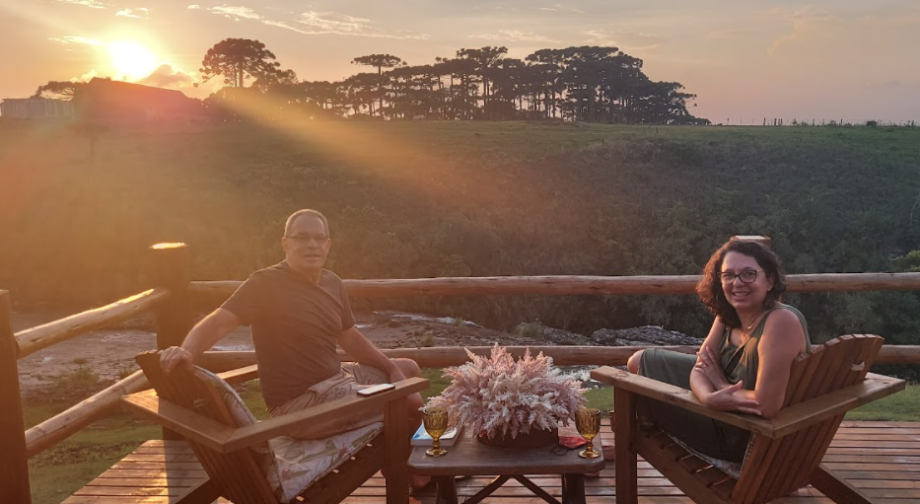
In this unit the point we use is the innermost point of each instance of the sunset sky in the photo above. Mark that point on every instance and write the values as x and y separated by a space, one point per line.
831 59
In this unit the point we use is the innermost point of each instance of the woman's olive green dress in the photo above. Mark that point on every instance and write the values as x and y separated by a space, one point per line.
710 437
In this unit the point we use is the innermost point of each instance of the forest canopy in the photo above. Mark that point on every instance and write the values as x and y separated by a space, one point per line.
588 83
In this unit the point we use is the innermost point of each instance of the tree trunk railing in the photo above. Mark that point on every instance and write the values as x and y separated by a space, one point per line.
43 336
441 357
579 285
172 299
67 423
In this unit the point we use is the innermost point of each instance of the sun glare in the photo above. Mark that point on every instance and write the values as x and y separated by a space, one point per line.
131 59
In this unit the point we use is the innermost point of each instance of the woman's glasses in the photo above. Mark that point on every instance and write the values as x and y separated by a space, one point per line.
746 276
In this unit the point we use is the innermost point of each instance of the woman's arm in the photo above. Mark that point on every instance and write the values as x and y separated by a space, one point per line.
708 382
706 378
782 340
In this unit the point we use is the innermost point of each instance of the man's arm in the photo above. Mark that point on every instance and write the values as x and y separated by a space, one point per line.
363 351
211 329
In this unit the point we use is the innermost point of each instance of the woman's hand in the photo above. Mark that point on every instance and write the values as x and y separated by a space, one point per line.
733 398
708 364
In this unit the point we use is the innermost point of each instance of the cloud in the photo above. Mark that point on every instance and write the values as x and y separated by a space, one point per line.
319 23
93 4
235 12
804 24
139 13
731 33
335 23
514 36
88 76
194 7
169 77
74 39
559 8
625 40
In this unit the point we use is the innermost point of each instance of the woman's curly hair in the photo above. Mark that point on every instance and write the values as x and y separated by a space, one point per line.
709 288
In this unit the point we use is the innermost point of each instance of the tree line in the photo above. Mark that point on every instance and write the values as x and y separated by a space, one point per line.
587 83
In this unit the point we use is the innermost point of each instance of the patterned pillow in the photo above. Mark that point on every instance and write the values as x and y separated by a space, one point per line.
291 465
732 469
298 463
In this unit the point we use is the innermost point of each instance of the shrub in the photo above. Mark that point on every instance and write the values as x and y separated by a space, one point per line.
533 330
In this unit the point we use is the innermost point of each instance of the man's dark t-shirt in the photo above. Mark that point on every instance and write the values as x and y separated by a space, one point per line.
295 325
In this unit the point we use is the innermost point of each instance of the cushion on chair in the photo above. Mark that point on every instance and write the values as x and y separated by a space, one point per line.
732 469
291 465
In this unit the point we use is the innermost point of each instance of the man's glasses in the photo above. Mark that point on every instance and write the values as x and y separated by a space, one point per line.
307 237
746 276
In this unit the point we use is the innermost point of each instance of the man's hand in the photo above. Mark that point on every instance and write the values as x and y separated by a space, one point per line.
732 398
173 357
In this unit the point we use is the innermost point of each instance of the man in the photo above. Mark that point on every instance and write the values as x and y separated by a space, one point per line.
299 312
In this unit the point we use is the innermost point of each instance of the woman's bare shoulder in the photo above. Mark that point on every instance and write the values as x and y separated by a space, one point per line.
783 325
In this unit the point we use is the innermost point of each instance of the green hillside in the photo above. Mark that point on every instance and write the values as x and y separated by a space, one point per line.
419 199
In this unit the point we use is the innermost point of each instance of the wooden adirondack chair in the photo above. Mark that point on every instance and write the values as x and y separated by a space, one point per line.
192 406
785 452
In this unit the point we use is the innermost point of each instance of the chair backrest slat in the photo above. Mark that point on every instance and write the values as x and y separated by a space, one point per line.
774 468
236 475
860 358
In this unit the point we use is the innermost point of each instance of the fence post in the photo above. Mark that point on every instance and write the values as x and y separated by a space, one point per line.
171 269
170 266
14 463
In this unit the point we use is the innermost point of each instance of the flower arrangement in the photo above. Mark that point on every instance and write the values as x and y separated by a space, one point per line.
499 396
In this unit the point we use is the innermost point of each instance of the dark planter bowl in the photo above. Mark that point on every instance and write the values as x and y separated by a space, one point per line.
533 439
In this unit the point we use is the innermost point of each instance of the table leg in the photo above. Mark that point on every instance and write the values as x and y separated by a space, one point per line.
447 490
539 492
487 490
573 489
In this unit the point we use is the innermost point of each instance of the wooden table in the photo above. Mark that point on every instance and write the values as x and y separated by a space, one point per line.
468 457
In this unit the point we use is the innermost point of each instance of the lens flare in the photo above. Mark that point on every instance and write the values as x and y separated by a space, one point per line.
132 60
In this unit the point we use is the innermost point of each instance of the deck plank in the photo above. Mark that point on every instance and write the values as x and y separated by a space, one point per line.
880 458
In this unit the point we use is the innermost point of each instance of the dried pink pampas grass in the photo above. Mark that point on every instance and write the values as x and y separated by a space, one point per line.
501 396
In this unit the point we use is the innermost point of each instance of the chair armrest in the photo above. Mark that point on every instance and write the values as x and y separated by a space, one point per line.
279 426
680 397
812 411
241 375
190 424
224 439
787 421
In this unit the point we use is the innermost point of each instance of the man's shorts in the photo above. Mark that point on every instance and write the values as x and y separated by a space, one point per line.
346 383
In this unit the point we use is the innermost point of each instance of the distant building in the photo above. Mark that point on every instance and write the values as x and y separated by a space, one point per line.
36 108
104 101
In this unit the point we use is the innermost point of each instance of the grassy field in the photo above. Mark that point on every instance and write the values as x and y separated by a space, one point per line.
422 199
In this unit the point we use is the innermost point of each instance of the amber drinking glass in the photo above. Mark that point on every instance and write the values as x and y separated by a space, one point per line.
435 420
588 422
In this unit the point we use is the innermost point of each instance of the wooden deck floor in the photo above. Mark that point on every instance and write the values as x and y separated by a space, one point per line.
882 458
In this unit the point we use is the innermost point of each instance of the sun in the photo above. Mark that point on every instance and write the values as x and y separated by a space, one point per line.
132 60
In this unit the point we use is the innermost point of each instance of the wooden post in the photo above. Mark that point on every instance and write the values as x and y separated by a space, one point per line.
170 267
14 464
764 240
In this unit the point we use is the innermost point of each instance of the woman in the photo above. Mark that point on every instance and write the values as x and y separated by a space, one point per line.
745 361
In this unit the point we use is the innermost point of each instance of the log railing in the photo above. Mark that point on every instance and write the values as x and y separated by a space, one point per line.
171 301
36 338
571 285
441 357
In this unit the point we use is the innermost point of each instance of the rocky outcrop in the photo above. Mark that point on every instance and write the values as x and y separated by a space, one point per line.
561 337
642 336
